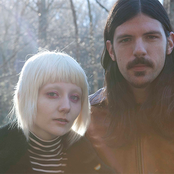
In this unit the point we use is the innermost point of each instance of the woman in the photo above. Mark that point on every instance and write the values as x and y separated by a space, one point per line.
52 109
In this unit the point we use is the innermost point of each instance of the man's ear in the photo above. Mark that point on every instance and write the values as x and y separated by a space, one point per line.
170 43
110 49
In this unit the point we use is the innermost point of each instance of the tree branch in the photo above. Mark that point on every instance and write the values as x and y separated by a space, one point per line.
49 5
102 6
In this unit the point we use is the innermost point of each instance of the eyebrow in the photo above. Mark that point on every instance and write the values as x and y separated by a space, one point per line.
123 36
153 32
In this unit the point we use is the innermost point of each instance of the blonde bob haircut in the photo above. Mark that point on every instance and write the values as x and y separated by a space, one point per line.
40 69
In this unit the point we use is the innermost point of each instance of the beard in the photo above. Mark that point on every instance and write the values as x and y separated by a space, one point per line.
136 84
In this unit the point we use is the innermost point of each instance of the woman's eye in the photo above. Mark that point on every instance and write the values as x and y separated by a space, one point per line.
74 98
52 94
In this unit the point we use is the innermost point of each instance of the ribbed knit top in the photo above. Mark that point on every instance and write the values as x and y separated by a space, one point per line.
46 156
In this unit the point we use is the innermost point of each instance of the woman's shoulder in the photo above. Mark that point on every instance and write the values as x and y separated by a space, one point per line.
12 145
80 147
83 159
10 132
6 132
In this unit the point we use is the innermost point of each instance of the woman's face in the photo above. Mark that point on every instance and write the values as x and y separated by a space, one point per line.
58 106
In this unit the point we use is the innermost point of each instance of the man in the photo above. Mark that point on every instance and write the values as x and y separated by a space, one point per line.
132 126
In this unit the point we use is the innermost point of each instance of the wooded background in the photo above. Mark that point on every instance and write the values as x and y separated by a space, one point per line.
72 26
27 26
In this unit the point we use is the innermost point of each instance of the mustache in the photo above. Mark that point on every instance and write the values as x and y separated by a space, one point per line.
140 60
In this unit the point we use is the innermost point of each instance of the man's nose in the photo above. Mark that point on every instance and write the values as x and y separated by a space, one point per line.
64 105
139 48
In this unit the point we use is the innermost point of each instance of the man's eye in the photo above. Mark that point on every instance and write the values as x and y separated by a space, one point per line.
52 94
152 37
125 40
74 98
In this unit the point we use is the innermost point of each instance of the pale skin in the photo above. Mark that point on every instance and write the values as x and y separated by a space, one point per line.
58 105
142 38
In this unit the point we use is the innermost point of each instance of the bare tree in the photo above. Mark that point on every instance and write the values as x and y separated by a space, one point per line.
43 23
92 48
11 38
42 7
76 30
11 34
26 25
169 6
102 6
166 4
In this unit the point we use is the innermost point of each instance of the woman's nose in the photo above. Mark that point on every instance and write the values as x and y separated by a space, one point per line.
64 105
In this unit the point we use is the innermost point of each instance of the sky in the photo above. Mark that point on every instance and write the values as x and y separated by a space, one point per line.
161 1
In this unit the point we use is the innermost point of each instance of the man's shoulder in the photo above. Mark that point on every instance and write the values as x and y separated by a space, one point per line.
98 97
99 108
99 115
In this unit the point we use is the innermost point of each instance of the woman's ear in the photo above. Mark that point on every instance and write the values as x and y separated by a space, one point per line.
170 43
110 50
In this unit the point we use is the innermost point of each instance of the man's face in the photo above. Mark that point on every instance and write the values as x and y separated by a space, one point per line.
139 48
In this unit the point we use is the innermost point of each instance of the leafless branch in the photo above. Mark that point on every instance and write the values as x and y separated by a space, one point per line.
32 8
102 6
13 55
49 4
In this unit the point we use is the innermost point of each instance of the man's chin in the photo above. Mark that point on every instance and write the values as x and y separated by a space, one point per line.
140 85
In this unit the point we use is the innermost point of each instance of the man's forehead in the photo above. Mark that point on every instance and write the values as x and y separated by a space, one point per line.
141 23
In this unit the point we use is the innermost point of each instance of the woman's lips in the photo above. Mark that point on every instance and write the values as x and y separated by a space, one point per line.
61 121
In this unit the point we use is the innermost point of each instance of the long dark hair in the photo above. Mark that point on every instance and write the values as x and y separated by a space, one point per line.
127 118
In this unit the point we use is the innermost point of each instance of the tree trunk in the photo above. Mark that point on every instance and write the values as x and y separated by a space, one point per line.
42 28
169 6
76 30
92 49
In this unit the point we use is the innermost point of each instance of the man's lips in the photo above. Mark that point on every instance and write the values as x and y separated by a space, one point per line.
139 67
62 121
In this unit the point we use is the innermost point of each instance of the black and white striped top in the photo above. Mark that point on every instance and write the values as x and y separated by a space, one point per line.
46 156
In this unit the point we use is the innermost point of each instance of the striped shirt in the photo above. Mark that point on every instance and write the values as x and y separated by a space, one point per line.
46 156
